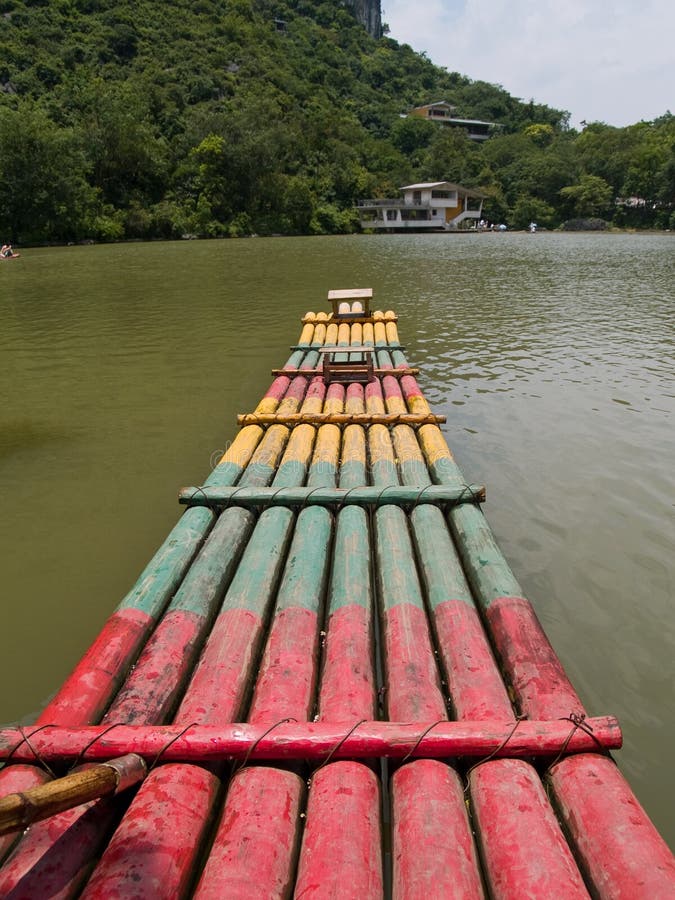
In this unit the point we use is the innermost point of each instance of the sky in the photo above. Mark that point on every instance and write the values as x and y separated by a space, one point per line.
607 61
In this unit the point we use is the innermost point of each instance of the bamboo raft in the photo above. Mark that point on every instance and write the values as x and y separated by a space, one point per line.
326 683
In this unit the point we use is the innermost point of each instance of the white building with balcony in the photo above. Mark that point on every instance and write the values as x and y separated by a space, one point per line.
443 113
428 206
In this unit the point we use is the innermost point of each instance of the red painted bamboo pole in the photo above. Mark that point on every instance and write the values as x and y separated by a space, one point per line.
511 807
433 854
314 740
341 850
159 677
348 691
257 837
413 682
414 693
596 804
614 867
102 659
463 649
334 852
125 869
143 840
263 805
287 675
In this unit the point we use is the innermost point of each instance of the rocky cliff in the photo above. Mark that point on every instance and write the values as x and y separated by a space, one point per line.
369 14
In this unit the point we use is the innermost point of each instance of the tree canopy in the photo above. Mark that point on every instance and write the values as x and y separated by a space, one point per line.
229 117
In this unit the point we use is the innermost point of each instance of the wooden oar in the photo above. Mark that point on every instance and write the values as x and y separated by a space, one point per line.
18 811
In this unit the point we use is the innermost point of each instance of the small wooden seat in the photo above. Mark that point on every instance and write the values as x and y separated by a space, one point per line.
356 364
351 304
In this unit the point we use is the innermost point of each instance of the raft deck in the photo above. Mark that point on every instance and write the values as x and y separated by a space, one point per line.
333 680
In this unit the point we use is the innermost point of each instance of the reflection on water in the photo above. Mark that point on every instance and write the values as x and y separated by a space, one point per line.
122 369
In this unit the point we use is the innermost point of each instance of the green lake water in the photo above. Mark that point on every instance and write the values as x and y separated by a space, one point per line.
122 369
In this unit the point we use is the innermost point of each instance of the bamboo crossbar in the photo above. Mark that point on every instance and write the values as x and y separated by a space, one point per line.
366 349
397 373
340 419
349 319
399 495
349 348
313 741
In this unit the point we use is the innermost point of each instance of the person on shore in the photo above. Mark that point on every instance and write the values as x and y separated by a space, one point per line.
7 252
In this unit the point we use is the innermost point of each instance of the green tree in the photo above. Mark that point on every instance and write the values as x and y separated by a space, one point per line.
530 209
590 197
129 160
201 117
44 194
539 134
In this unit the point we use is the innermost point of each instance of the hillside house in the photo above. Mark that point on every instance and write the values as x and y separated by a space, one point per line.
428 206
443 113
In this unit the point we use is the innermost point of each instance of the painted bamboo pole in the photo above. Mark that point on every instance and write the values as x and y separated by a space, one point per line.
344 331
430 860
412 494
339 419
348 677
523 848
81 833
315 741
335 853
490 698
85 830
474 683
284 687
543 690
216 693
287 677
341 852
128 868
619 849
413 684
96 678
152 690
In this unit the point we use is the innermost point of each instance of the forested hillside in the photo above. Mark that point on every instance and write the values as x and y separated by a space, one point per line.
230 117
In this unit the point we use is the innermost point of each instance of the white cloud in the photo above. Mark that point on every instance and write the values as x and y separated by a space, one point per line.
612 62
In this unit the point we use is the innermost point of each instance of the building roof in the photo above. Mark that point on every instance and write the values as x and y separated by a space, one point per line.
426 185
435 103
471 121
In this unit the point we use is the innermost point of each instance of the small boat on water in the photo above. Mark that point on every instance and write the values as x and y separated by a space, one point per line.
327 682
